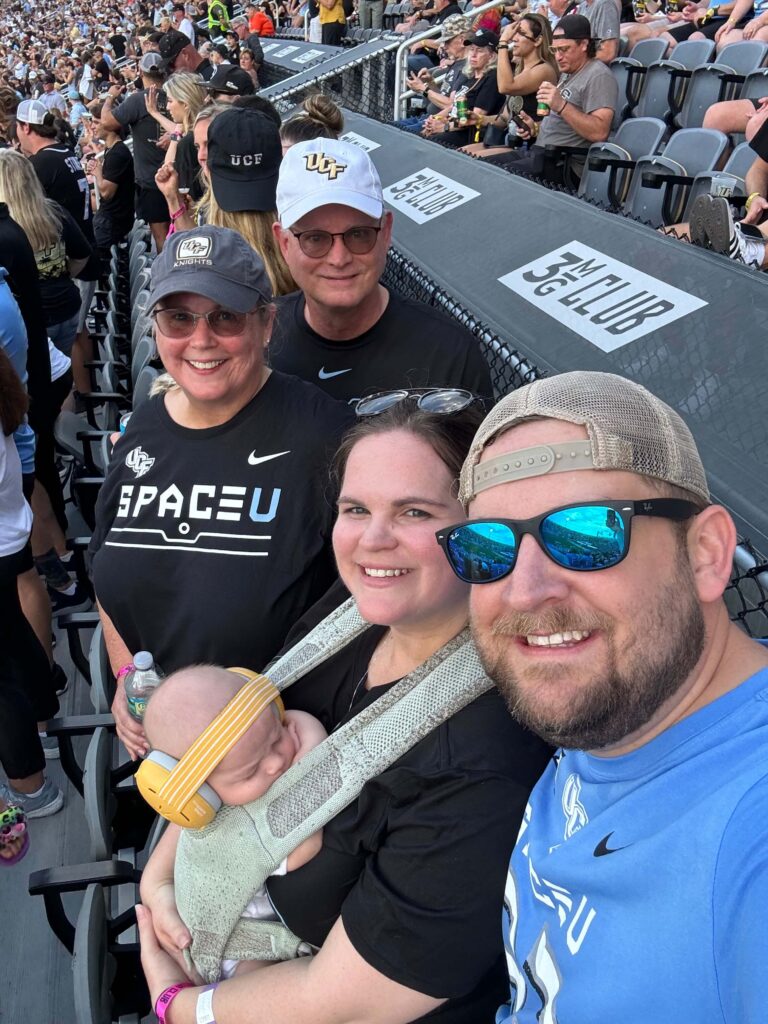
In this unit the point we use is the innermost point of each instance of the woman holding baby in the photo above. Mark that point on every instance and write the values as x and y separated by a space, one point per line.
402 900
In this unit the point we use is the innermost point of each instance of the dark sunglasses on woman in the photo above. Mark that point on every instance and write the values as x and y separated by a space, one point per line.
584 537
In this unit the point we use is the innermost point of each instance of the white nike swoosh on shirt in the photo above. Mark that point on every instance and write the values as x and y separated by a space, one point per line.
326 374
255 460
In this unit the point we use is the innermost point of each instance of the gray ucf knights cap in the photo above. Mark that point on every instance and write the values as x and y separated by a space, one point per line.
215 262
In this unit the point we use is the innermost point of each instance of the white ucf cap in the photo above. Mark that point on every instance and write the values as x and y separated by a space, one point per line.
323 172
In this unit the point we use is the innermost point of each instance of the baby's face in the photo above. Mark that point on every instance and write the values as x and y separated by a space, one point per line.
263 754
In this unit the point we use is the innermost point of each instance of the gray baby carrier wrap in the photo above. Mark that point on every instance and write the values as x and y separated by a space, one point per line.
219 868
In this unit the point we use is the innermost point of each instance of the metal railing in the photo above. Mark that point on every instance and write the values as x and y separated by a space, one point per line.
401 60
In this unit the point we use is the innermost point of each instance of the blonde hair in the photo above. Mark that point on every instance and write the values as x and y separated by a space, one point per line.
254 225
256 228
187 87
22 192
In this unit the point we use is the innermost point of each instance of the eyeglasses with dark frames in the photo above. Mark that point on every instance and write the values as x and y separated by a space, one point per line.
358 240
583 537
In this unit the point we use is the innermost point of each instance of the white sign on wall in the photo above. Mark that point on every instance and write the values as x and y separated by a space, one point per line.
360 141
425 194
605 301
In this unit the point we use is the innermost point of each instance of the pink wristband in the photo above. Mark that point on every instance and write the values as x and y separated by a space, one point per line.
124 671
165 999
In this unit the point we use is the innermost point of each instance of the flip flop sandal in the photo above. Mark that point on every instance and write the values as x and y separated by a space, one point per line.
13 826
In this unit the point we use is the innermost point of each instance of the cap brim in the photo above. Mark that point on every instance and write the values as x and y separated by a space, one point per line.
210 285
359 201
236 195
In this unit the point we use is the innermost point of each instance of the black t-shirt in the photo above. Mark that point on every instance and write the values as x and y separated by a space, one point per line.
101 72
416 865
209 544
453 79
118 168
483 93
117 42
447 12
17 257
188 167
205 69
145 130
60 295
411 345
63 179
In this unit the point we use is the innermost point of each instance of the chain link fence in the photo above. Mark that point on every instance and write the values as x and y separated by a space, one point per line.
509 369
364 82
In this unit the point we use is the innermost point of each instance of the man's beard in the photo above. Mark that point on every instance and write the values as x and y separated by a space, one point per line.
667 641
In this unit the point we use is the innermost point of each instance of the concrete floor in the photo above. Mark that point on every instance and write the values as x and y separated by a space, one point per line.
35 969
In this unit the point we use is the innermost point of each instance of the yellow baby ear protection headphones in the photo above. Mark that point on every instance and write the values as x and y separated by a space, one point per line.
176 789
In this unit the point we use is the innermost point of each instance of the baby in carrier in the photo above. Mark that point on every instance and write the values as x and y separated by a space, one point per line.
185 705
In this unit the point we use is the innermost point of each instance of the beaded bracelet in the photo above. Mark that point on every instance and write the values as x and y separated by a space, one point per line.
124 671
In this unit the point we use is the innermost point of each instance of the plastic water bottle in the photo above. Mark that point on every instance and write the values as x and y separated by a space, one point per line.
139 684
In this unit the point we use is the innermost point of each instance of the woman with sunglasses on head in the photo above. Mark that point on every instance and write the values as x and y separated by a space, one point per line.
524 61
481 95
402 899
213 525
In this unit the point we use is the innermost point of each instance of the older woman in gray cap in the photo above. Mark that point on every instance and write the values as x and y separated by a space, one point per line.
214 514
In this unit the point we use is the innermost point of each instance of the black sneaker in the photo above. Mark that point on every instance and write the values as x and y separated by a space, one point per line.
699 220
59 679
76 602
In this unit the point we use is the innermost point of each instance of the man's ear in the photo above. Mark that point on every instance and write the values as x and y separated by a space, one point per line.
711 542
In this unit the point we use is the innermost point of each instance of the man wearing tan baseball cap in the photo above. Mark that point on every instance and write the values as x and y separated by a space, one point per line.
638 886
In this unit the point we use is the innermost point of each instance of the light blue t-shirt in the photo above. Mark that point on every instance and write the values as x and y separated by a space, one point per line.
638 889
13 339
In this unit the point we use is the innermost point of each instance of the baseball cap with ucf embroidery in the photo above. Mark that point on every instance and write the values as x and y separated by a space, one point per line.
323 172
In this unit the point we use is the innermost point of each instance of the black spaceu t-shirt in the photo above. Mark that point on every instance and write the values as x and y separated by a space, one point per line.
416 866
209 544
410 346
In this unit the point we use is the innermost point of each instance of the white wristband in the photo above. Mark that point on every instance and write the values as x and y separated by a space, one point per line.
204 1009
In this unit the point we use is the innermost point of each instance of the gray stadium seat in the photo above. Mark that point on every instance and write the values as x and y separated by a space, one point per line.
143 351
648 51
665 81
711 83
688 153
144 380
745 56
739 162
606 181
755 85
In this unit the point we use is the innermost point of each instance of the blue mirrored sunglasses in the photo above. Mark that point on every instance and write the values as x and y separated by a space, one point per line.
584 537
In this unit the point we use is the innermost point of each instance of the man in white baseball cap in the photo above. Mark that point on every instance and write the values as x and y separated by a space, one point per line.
344 330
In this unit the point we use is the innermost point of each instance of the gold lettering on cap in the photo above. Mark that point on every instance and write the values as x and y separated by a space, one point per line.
322 164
